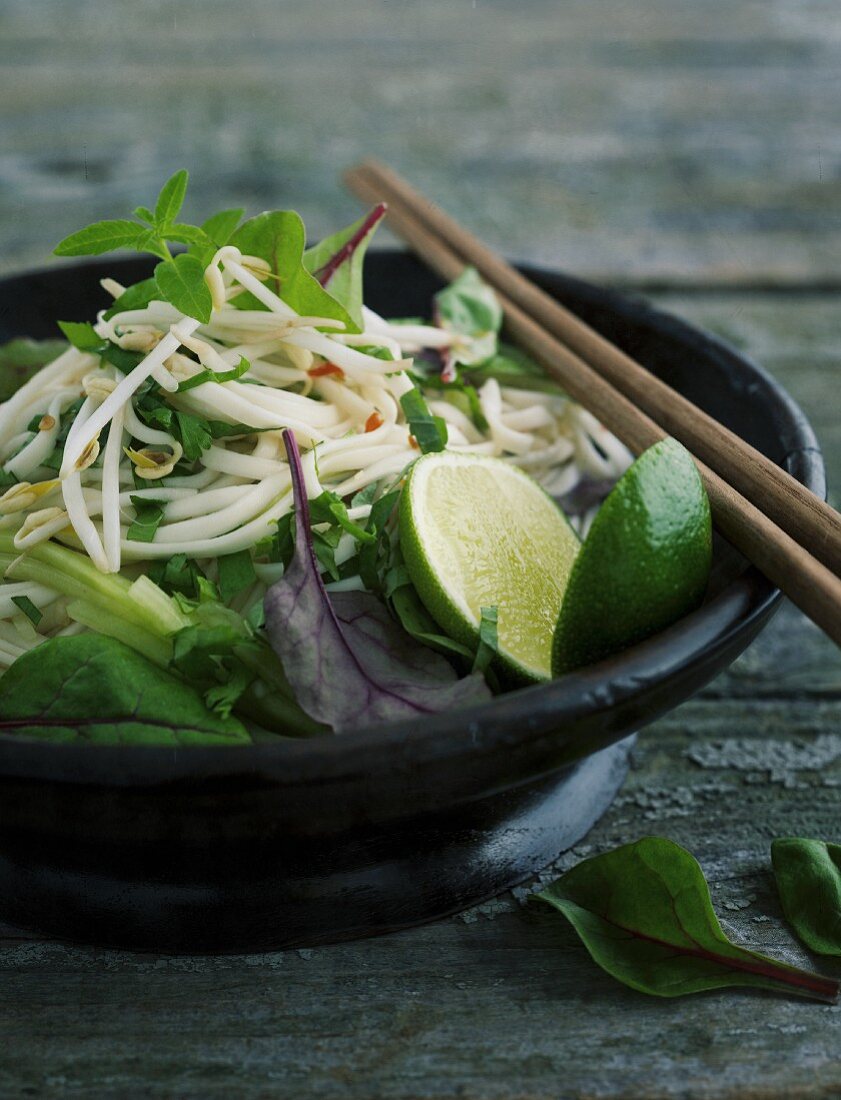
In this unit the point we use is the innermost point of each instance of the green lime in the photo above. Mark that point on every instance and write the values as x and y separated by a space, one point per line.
644 563
477 532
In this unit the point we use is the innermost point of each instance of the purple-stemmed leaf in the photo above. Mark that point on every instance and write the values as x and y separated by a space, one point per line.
348 663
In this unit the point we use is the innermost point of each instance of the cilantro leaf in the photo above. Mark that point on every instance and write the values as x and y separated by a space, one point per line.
236 573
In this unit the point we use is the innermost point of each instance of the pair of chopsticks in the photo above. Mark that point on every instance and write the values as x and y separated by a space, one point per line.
790 534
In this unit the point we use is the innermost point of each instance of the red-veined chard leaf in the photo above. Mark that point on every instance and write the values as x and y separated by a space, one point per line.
808 874
348 662
336 262
92 688
644 913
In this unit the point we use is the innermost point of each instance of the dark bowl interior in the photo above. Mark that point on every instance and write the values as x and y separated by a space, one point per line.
304 842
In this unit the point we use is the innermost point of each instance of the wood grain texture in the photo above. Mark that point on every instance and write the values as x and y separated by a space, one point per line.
692 145
665 139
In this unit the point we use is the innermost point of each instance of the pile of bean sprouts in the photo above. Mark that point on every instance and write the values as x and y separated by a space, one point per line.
305 374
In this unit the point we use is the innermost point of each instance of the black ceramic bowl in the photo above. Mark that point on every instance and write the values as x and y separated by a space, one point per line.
291 844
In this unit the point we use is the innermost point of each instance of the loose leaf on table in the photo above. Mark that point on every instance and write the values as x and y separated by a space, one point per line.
808 874
645 915
336 262
181 282
92 688
349 664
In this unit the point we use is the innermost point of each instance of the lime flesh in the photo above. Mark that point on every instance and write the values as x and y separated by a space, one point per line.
477 532
645 561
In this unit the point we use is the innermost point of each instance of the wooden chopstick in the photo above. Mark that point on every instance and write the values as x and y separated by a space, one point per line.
808 519
804 579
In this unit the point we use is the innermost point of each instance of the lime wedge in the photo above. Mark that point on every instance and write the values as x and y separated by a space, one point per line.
477 532
644 563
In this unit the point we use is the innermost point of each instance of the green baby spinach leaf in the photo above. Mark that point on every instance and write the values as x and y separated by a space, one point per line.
221 226
181 282
337 261
808 874
644 913
92 688
279 238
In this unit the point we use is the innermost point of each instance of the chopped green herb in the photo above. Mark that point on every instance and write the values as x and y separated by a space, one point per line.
34 614
148 519
236 573
430 431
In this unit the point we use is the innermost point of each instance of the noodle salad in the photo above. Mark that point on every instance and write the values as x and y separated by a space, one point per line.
148 472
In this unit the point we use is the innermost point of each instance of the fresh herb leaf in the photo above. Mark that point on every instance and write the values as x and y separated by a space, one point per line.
236 573
488 646
374 555
348 663
197 650
470 308
178 575
134 297
278 237
515 369
336 262
644 913
93 688
366 495
148 519
144 213
181 282
223 697
430 431
194 434
808 874
171 199
121 358
329 508
208 375
81 335
7 480
33 613
101 237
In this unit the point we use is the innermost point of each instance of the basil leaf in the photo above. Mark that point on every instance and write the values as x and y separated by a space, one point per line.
808 874
348 662
21 358
644 913
81 335
469 305
33 613
278 237
171 198
336 262
101 237
134 297
215 376
148 519
430 431
92 688
181 283
236 573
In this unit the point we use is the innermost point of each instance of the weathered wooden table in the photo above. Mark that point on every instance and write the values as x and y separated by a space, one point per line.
686 149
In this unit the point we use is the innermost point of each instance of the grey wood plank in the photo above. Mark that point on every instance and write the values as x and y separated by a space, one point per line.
664 139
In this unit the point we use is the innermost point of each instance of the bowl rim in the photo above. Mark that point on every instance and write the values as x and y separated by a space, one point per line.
742 605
